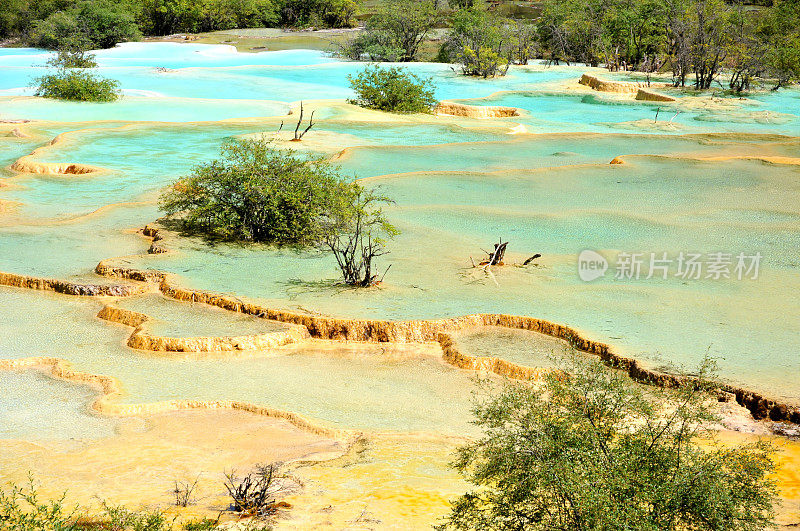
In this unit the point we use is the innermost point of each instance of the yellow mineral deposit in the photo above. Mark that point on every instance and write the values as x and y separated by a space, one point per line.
138 467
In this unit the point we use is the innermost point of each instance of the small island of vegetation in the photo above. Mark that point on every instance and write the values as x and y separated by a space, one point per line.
392 89
256 193
73 79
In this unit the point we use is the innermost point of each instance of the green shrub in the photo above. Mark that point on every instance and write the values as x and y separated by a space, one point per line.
395 33
55 31
14 17
480 42
164 17
67 58
326 13
589 449
21 510
392 89
76 85
87 24
72 80
203 524
120 518
256 193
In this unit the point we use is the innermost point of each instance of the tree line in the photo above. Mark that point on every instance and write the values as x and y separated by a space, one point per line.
103 23
694 40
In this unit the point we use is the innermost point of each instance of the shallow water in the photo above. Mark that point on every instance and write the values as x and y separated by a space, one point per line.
720 175
366 387
170 318
649 205
523 347
594 112
35 407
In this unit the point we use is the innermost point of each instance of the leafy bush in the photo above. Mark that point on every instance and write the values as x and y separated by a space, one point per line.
77 85
88 24
325 13
73 81
67 58
54 31
392 89
395 33
588 449
256 193
203 524
54 24
479 41
13 17
165 17
22 510
119 518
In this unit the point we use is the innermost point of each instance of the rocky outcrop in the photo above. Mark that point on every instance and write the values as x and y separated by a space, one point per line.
602 85
127 273
617 160
155 237
622 87
649 95
475 111
70 288
141 340
27 165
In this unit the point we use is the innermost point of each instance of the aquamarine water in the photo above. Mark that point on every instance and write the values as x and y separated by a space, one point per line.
718 178
371 387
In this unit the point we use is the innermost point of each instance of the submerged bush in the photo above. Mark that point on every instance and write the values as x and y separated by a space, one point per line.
259 194
77 85
392 89
72 79
256 193
73 58
480 42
